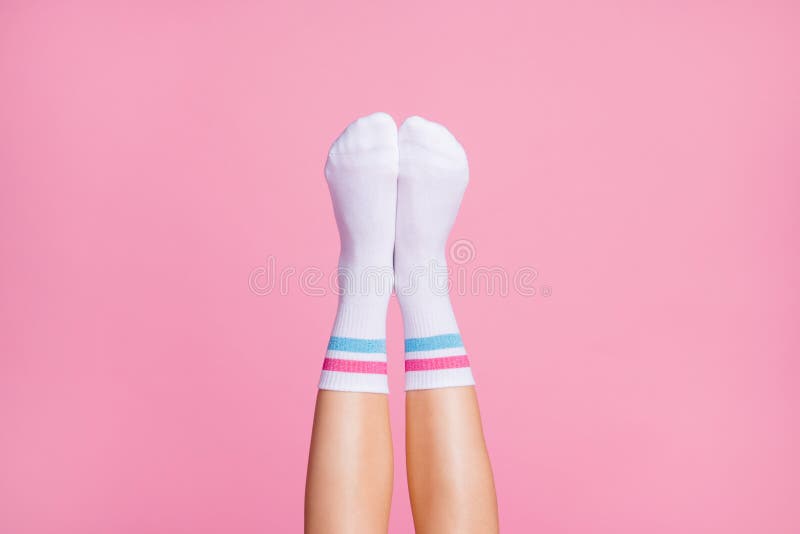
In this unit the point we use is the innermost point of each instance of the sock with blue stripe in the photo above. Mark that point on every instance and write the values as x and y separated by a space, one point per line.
362 171
433 174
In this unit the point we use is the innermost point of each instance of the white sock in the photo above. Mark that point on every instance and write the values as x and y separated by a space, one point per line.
362 171
432 178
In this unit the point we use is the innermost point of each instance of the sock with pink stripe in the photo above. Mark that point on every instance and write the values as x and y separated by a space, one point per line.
433 174
362 171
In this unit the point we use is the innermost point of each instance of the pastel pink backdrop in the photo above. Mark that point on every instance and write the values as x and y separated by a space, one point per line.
643 158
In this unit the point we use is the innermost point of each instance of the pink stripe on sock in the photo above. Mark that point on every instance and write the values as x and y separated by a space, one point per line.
432 364
354 366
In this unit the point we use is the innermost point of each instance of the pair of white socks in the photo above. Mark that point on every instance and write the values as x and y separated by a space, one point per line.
395 194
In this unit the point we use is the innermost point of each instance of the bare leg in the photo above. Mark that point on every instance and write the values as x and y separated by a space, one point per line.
349 482
449 475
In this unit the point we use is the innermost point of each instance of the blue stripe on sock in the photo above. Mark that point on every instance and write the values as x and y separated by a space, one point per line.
445 341
352 344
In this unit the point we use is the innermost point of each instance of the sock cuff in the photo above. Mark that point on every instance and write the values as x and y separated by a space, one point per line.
436 362
355 364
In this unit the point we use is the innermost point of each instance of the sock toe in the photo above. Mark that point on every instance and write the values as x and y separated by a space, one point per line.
371 132
432 136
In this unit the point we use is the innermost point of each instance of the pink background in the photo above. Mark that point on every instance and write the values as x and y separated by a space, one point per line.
643 158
